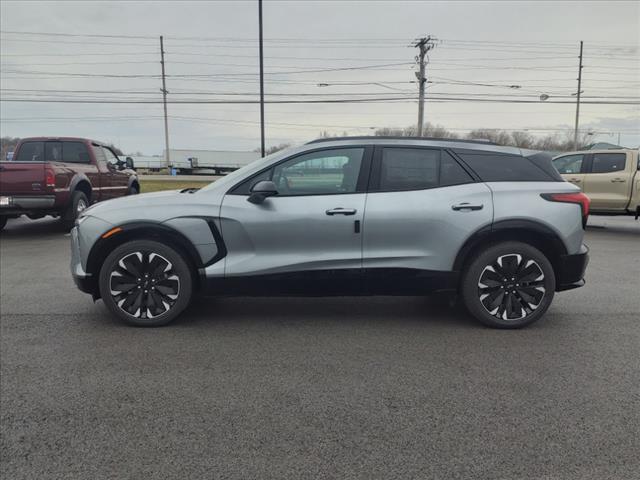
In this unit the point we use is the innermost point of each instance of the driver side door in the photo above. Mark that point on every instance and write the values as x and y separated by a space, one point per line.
309 234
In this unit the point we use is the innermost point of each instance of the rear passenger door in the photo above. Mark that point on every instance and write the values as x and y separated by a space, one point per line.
421 206
607 182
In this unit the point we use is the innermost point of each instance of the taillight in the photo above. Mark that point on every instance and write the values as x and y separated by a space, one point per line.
49 178
578 198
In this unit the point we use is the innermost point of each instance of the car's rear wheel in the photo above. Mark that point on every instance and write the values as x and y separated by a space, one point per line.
510 285
3 223
78 204
146 283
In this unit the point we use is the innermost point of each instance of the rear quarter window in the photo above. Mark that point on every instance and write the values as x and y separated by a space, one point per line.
497 167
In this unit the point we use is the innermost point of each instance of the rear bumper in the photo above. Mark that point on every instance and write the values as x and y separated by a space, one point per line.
83 280
21 204
570 273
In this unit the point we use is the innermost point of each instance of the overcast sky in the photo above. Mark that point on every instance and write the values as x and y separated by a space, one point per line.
485 51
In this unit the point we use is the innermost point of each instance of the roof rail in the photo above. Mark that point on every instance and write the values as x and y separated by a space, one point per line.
399 137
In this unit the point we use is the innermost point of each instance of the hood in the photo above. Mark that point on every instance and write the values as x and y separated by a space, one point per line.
155 206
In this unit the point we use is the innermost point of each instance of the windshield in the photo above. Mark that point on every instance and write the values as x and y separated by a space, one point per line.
249 168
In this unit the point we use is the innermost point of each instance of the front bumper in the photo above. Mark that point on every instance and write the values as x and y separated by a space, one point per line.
83 280
571 268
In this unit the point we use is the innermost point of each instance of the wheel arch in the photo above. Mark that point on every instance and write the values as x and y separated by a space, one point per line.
530 232
81 182
153 231
133 182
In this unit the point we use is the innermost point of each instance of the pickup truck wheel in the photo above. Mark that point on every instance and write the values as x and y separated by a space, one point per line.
145 283
3 222
78 203
510 285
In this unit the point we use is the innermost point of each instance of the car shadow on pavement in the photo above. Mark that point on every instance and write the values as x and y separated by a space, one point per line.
310 310
24 227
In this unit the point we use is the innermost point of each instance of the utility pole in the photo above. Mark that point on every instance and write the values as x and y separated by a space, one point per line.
424 44
575 133
164 102
262 149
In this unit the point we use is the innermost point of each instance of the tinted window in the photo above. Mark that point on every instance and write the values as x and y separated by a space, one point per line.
494 167
608 162
409 169
53 151
451 173
319 173
30 152
74 152
569 164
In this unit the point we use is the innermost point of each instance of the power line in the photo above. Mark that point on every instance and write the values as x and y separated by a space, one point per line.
344 100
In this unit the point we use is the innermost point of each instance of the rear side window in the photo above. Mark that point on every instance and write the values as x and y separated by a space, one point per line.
496 167
569 164
608 162
409 169
30 152
74 152
451 173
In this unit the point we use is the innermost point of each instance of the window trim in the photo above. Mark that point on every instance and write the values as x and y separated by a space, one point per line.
361 184
376 168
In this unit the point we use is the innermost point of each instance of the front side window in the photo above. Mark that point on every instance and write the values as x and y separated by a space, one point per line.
319 173
569 164
74 152
608 162
111 158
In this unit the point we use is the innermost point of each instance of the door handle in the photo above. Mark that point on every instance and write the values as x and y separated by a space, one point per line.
467 206
618 180
575 180
341 211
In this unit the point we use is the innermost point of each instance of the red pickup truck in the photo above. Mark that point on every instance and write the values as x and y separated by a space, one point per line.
61 177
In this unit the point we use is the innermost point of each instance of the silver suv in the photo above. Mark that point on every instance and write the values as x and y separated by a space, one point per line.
352 216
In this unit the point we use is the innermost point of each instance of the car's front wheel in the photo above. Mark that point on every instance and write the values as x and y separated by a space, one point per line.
146 283
509 285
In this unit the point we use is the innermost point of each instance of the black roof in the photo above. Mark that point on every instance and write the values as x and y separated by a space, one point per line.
399 137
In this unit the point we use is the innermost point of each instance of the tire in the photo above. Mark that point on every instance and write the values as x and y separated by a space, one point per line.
133 190
530 288
165 298
79 202
3 223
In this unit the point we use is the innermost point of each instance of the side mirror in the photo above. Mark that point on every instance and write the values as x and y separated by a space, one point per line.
261 190
129 163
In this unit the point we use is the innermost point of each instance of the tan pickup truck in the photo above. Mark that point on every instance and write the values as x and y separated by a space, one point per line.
610 178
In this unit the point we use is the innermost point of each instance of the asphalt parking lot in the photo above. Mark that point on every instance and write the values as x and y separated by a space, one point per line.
317 388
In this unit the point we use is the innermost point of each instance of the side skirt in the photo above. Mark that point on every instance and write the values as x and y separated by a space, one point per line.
343 282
